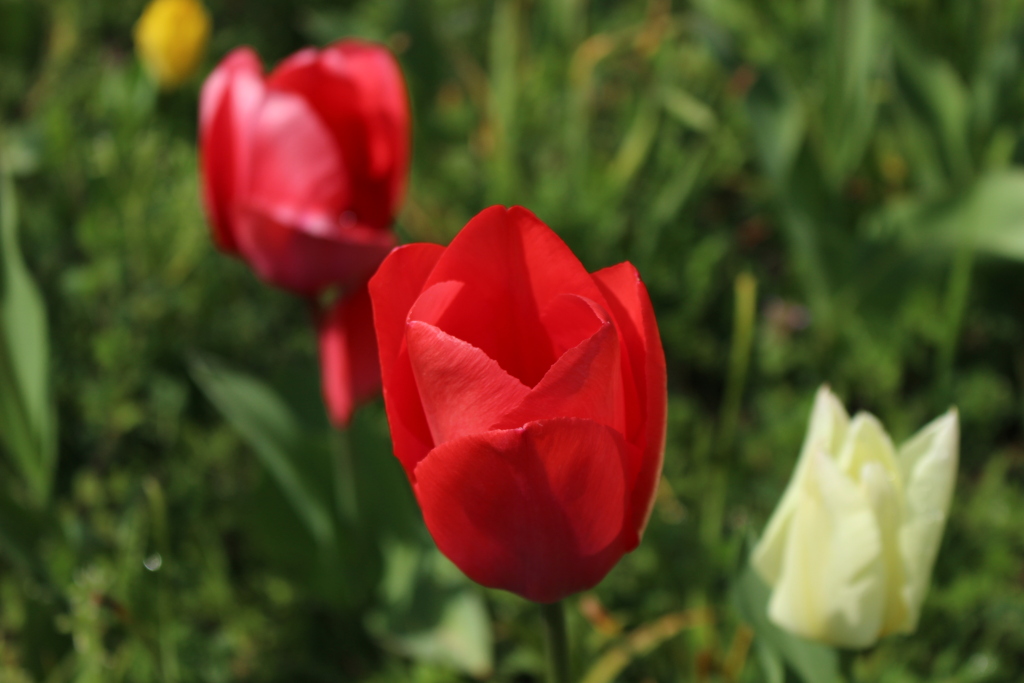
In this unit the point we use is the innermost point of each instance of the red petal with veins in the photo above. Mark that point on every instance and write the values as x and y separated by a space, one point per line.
462 390
630 305
537 510
393 291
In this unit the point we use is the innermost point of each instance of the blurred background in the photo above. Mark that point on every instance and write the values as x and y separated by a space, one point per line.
813 190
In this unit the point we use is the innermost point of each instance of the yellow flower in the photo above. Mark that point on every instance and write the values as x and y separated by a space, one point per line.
170 39
850 548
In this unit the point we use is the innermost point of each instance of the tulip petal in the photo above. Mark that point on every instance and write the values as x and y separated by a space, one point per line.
621 286
828 426
537 510
349 366
832 584
928 462
868 457
571 319
228 107
462 390
434 302
866 442
886 501
306 263
515 267
297 176
643 368
585 382
358 92
393 291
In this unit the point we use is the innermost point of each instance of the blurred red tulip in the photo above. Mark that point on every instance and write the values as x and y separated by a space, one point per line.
303 172
526 400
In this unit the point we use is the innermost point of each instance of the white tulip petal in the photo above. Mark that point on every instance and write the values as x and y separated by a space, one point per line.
928 462
829 423
886 502
832 583
867 442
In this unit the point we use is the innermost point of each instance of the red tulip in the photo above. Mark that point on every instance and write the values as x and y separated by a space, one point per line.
303 170
302 174
526 400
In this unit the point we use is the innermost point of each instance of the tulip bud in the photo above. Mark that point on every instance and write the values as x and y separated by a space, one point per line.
850 548
170 39
526 399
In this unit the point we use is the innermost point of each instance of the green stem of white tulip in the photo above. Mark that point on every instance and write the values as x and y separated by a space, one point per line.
557 638
847 661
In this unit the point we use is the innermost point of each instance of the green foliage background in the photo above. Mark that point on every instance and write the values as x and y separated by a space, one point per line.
857 159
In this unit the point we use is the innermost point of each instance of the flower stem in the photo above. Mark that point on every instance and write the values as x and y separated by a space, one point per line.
557 642
847 664
345 495
744 321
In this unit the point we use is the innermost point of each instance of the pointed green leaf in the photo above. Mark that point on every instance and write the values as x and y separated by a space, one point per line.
688 110
264 422
635 145
779 125
851 100
27 408
431 612
938 92
989 217
813 662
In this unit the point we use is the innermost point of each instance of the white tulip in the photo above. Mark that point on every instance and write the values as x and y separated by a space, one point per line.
850 548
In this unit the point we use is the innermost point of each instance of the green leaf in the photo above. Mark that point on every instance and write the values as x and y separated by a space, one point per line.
635 145
27 411
779 125
936 89
813 662
688 110
20 152
431 612
989 217
269 427
850 101
771 663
